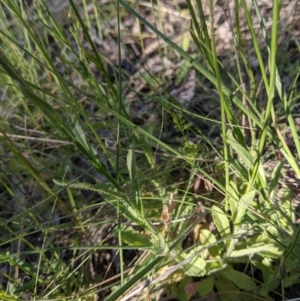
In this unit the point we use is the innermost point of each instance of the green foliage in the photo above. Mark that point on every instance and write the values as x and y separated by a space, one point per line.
206 207
206 286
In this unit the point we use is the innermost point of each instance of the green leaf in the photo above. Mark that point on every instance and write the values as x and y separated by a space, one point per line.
196 267
5 296
264 268
291 280
4 79
243 204
258 240
233 193
87 149
79 134
273 188
206 286
213 267
269 250
221 221
25 287
127 208
247 158
182 293
103 189
134 238
226 289
207 239
241 151
186 42
159 245
269 287
134 177
129 162
240 279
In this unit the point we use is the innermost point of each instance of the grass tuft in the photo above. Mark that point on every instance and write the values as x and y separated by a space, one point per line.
141 149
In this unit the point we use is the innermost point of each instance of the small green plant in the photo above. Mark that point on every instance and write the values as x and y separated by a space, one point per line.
83 177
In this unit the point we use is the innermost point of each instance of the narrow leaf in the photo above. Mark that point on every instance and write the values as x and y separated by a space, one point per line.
134 238
274 180
129 162
221 221
242 207
263 249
